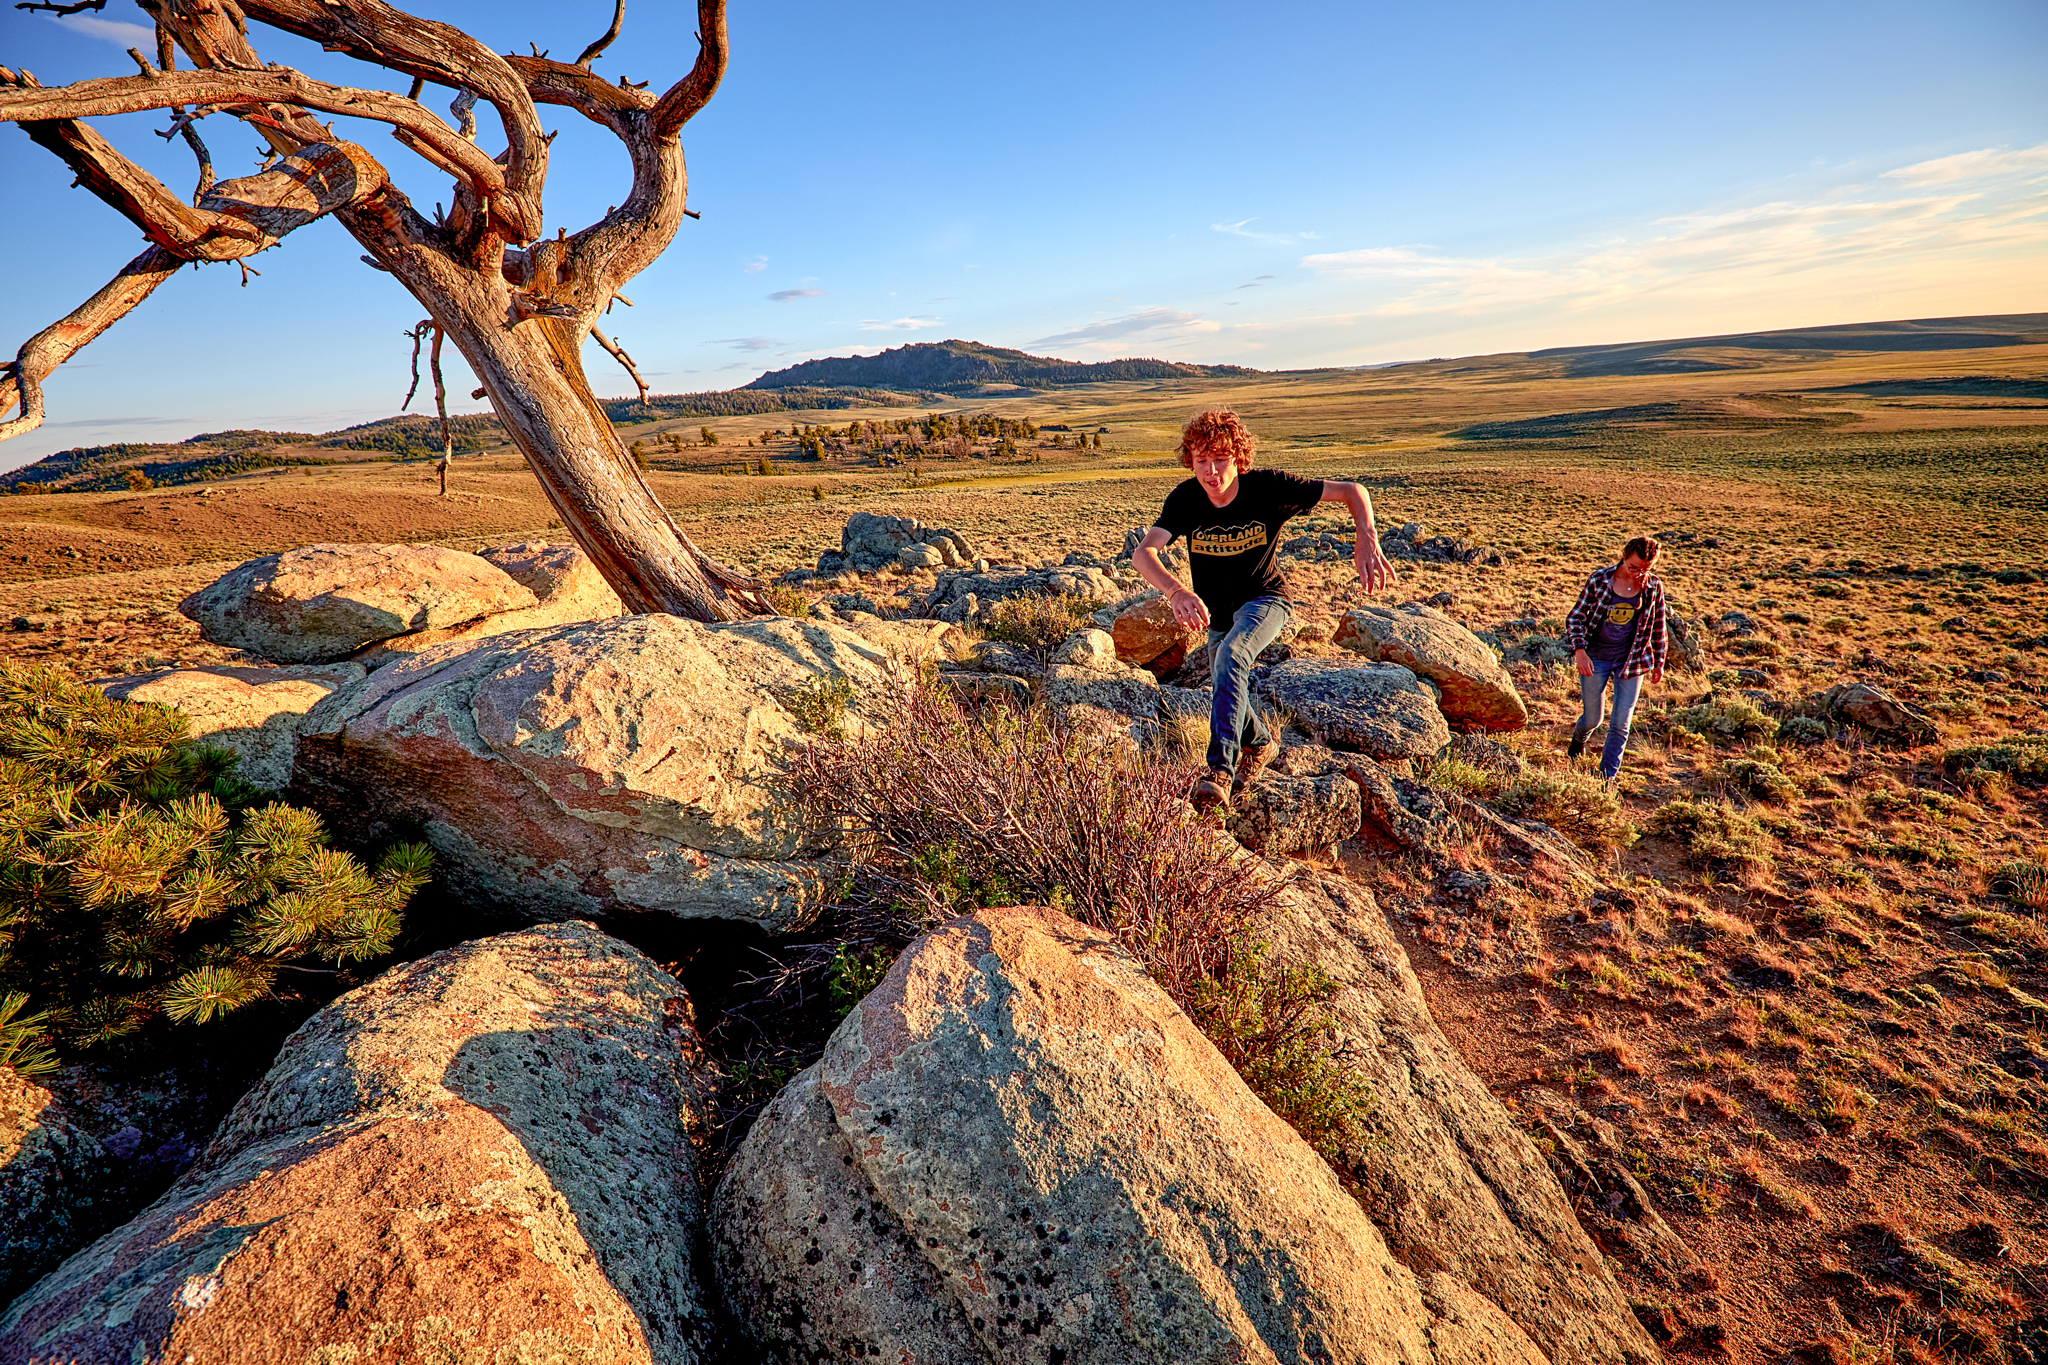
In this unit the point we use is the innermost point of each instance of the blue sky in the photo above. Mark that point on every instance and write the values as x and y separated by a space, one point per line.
1303 184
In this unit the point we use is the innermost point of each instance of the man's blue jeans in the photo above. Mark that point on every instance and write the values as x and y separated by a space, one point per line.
1234 724
1626 690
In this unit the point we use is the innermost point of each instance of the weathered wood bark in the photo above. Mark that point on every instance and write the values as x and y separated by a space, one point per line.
518 309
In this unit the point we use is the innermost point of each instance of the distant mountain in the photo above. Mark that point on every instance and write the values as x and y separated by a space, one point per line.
1918 334
955 365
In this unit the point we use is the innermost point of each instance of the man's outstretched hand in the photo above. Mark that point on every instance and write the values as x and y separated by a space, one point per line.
1375 573
1188 609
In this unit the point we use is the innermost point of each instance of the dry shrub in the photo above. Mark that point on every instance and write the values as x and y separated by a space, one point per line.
1037 622
1726 720
946 808
1583 808
1715 832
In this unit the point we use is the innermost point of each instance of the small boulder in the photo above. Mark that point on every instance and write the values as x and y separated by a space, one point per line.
1018 1148
253 712
1878 711
322 603
482 1155
1382 710
559 574
1476 690
1148 635
871 541
1090 648
920 556
623 766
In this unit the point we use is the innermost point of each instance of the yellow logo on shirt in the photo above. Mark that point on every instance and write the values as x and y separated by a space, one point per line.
1620 614
1228 540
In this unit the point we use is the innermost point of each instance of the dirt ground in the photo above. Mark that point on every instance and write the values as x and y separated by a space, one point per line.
1822 1044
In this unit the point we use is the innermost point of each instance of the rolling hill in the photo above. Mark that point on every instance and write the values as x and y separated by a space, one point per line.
956 365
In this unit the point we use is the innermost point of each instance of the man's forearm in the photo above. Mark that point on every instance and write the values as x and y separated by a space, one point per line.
1146 561
1360 503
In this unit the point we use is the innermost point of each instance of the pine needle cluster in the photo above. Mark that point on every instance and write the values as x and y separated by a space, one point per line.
141 884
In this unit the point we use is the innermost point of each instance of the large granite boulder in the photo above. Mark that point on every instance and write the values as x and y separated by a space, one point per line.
483 1155
626 766
253 712
1475 691
52 1170
1283 814
565 583
1017 1148
1446 1175
322 603
1127 691
1382 710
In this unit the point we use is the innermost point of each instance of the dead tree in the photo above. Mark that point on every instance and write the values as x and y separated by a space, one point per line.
516 302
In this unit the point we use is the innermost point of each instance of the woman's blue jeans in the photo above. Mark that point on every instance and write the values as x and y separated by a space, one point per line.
1626 690
1234 723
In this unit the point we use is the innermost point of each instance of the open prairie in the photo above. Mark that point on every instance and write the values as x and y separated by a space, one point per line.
1816 1025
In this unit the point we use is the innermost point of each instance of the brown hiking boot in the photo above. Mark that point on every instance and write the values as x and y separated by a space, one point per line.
1251 761
1212 792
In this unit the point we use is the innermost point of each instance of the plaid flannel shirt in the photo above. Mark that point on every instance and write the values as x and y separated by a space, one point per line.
1646 651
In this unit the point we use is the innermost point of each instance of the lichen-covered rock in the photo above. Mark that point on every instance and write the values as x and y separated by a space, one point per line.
1018 1149
871 541
1089 648
322 603
1443 1171
1130 691
253 712
52 1174
614 767
1381 710
482 1155
1280 814
1475 690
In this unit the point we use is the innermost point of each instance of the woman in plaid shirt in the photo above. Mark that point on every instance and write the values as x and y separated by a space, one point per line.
1616 631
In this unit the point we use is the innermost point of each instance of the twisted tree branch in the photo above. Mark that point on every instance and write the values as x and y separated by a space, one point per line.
22 381
694 91
610 35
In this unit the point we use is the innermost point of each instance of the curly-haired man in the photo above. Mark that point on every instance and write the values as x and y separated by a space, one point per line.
1231 515
1616 631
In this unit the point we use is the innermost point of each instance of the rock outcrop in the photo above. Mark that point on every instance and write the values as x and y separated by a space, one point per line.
321 603
1018 1149
1414 541
1475 691
614 767
962 595
1381 710
52 1174
482 1155
871 541
1444 1173
253 712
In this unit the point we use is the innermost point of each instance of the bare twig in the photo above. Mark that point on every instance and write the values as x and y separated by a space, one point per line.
61 10
464 109
591 53
441 406
619 354
418 334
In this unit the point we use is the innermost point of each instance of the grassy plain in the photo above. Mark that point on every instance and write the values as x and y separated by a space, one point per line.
1818 1030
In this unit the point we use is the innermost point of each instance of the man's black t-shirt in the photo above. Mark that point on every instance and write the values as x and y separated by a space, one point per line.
1231 548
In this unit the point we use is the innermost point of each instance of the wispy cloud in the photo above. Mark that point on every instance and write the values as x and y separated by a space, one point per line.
1153 324
1243 228
108 30
1257 281
1749 250
785 295
755 265
923 320
1991 161
746 343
